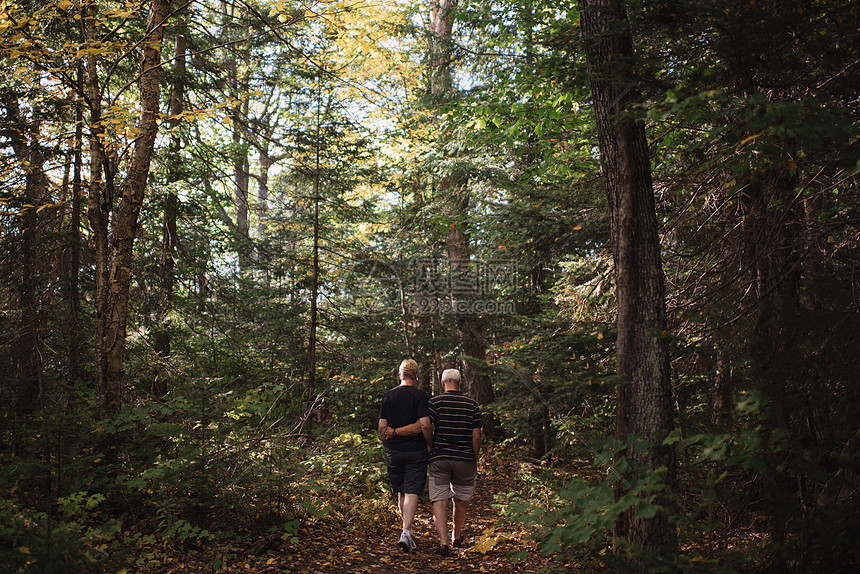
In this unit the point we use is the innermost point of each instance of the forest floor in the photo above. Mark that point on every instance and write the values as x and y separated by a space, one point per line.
333 547
489 542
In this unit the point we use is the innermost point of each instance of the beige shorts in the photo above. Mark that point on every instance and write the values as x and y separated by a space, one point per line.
452 478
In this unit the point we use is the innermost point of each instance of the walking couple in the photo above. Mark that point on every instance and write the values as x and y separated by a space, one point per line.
444 432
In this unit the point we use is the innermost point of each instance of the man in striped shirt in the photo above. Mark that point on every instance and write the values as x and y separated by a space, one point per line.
456 443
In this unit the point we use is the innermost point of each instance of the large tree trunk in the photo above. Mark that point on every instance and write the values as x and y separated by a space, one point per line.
441 26
470 328
469 325
131 198
644 395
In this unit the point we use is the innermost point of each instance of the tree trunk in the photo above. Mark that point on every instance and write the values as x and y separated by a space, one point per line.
169 237
73 293
470 328
643 407
539 425
98 203
24 138
27 354
266 162
723 388
469 325
315 273
773 236
241 170
240 197
441 26
126 225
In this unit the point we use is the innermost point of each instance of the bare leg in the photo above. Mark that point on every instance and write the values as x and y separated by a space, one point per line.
440 518
459 517
408 507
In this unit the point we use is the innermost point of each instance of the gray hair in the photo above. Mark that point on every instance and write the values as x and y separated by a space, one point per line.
451 376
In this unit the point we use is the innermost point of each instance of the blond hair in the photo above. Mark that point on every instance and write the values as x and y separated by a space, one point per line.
408 369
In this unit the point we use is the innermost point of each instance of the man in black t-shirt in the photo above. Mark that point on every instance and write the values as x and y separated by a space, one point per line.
406 456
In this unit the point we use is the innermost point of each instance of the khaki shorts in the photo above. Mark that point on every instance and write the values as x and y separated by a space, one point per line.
452 478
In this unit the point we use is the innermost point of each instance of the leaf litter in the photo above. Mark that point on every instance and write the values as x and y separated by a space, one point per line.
334 546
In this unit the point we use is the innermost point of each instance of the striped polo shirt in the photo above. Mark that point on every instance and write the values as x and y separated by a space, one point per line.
453 415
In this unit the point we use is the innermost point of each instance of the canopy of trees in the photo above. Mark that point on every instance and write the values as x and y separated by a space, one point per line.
633 226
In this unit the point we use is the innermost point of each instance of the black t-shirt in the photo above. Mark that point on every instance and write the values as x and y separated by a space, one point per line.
401 406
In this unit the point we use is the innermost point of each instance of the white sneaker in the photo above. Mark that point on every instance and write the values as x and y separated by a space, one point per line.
406 543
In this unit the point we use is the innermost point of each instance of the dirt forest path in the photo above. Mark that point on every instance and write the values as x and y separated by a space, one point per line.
489 542
347 546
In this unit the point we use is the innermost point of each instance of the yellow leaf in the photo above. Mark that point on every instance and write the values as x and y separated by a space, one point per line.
270 561
23 550
487 541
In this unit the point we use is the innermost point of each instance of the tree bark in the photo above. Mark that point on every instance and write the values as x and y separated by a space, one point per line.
315 274
262 210
773 238
441 26
73 293
469 325
131 198
643 407
241 174
24 138
241 169
470 328
99 203
169 237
